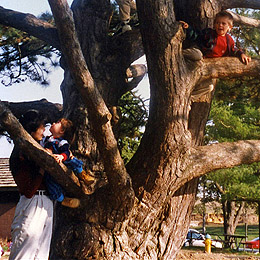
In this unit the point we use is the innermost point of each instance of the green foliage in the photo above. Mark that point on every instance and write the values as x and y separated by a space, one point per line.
239 183
248 38
23 56
128 146
233 121
238 119
237 90
133 119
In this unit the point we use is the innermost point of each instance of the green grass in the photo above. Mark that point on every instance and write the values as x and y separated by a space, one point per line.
218 230
252 231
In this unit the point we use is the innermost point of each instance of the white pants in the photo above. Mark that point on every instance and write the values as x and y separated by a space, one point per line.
32 228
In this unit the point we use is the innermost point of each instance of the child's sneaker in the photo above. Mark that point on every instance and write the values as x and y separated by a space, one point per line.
70 202
123 27
86 177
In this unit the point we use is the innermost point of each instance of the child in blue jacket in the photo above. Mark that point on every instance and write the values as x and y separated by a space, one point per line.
57 145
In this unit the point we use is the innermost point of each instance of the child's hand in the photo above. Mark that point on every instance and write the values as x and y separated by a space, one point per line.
58 157
245 59
184 24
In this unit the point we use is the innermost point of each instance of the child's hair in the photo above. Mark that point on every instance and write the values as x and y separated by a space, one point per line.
32 120
67 127
227 15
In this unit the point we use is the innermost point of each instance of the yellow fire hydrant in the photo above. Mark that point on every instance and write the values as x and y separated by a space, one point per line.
208 244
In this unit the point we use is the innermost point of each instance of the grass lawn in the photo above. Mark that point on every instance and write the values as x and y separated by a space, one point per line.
218 230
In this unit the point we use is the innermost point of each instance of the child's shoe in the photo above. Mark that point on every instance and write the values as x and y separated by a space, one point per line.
70 202
86 177
123 27
126 27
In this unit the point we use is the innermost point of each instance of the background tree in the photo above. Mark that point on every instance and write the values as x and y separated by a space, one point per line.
141 210
234 195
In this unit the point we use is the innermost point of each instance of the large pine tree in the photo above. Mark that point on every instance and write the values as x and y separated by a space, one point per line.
140 210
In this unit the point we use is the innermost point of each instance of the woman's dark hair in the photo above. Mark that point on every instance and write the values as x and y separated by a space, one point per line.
32 120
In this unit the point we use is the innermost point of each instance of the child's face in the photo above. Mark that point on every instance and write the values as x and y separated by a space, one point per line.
56 129
38 134
222 25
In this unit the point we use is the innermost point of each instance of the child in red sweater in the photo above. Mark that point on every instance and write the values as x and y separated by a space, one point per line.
212 43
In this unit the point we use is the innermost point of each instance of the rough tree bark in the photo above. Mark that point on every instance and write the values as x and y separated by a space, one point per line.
142 211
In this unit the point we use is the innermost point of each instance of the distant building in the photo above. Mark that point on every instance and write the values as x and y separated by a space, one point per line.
9 197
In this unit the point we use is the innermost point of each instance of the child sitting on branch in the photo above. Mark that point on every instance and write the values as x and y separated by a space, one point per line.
211 43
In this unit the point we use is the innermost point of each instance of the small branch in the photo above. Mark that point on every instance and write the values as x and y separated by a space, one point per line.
137 73
30 24
20 61
134 83
141 100
220 189
136 70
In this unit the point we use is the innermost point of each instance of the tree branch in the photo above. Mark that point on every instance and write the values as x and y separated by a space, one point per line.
54 111
253 4
98 112
21 138
223 155
239 19
220 189
134 83
137 72
228 67
30 24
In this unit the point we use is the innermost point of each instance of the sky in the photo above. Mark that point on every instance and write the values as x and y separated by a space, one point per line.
29 91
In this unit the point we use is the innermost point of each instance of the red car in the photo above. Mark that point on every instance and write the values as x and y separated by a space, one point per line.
253 243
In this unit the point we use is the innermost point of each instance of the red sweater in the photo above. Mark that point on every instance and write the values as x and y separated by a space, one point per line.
220 48
26 174
211 44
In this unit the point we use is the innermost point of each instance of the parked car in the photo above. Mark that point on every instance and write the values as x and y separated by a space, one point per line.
253 243
195 238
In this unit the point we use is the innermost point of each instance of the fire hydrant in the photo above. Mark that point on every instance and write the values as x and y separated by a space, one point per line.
208 244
